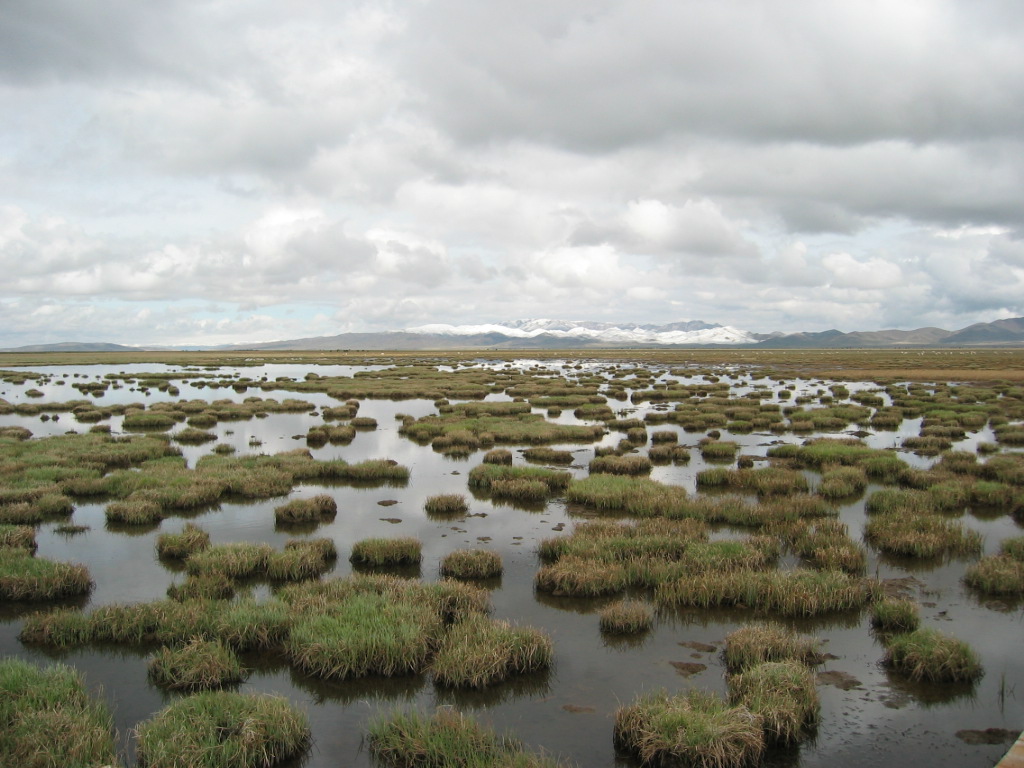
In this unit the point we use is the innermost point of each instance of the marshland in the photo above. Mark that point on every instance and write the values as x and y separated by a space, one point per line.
527 556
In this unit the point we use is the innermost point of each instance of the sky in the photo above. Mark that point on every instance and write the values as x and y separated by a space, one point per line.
232 171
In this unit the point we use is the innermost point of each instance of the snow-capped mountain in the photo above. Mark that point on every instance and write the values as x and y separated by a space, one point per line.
688 332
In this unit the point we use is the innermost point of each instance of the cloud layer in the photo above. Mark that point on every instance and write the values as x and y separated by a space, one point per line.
182 172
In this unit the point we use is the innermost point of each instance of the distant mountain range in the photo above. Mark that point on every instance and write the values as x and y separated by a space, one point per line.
562 334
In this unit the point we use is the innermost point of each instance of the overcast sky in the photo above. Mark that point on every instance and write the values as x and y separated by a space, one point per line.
248 170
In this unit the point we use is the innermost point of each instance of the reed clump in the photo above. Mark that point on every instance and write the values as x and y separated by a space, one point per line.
695 728
471 564
49 720
179 546
626 617
718 450
843 482
446 505
302 559
782 694
377 552
223 729
478 651
928 654
198 665
485 476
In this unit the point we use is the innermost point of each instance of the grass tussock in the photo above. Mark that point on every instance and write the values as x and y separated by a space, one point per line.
444 740
928 654
996 575
626 617
18 537
134 511
479 651
378 552
631 464
920 535
318 509
237 560
366 634
548 456
179 546
27 578
782 694
471 564
486 476
498 456
446 505
695 728
222 729
198 665
49 721
785 593
756 644
302 559
895 615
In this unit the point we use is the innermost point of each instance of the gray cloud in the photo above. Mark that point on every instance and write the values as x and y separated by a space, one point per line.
326 167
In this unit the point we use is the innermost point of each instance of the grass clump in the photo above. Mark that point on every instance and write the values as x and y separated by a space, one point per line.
485 476
179 546
996 575
447 739
203 586
895 614
695 728
581 577
920 535
718 450
471 564
446 505
222 729
498 456
237 560
840 482
478 651
626 617
24 577
632 464
759 643
196 666
798 592
928 654
377 552
318 509
134 511
548 456
783 694
302 559
49 721
18 537
363 635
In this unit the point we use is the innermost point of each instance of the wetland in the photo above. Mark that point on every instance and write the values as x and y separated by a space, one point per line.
535 555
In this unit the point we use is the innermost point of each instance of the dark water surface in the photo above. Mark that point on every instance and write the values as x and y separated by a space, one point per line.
879 720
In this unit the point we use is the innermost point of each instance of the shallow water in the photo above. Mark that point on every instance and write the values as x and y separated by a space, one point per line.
880 721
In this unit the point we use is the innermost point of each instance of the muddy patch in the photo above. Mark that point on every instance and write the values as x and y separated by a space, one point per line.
841 680
987 736
698 646
688 668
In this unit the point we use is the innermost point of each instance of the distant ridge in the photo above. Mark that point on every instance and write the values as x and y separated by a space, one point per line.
562 334
73 346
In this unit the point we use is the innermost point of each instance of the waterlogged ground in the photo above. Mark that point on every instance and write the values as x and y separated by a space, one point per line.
870 716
